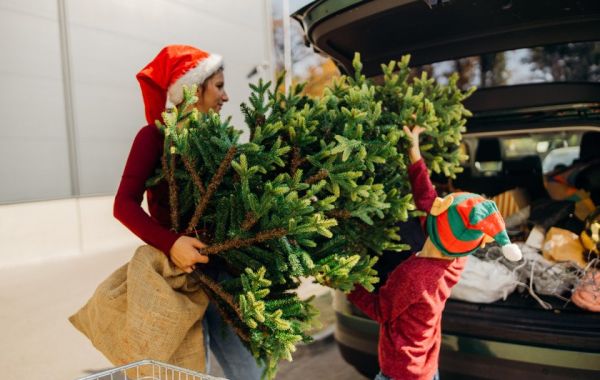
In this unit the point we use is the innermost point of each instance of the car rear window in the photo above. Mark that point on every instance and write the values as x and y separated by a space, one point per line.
571 62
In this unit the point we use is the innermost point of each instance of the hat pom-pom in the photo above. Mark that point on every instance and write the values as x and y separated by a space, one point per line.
512 252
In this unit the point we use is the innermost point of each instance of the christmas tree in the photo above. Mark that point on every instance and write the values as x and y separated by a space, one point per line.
317 191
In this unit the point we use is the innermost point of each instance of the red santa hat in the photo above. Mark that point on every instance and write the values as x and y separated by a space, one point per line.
162 80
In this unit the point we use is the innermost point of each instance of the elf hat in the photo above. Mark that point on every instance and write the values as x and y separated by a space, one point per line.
468 222
162 80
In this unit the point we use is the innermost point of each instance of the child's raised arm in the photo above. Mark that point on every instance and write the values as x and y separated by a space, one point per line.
414 153
423 192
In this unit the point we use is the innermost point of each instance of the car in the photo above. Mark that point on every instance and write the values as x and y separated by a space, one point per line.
541 112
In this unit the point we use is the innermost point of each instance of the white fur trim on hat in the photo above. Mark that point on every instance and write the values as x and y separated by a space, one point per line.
512 252
195 76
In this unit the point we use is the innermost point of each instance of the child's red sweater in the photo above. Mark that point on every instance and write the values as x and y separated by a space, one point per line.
409 306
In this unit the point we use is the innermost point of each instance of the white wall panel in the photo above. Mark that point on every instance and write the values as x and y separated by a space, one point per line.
112 40
33 144
109 41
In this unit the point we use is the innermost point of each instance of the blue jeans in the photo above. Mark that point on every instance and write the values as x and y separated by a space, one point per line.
235 359
381 376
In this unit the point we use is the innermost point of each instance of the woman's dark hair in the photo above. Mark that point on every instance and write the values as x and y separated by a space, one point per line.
203 85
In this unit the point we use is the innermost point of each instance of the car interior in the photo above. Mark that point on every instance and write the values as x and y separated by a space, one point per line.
589 178
493 174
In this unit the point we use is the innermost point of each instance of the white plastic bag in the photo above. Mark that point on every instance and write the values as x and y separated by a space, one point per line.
484 282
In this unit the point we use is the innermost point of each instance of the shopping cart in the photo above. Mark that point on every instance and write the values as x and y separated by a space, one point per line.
149 370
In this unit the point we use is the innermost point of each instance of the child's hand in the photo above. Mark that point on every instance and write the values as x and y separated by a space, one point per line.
414 153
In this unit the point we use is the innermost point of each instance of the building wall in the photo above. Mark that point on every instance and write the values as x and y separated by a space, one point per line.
56 150
34 162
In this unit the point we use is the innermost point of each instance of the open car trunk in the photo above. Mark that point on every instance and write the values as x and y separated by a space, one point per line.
433 31
515 338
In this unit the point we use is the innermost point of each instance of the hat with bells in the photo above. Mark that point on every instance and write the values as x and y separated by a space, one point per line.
461 223
175 66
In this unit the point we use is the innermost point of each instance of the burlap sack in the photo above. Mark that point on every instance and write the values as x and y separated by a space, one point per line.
147 309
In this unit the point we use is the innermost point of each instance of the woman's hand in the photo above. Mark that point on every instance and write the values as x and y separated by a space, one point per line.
414 153
184 253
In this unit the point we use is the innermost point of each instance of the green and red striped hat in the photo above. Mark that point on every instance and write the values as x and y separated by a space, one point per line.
461 229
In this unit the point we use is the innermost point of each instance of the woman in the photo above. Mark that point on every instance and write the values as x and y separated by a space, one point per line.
162 82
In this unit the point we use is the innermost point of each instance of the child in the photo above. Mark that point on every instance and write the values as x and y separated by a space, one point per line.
409 305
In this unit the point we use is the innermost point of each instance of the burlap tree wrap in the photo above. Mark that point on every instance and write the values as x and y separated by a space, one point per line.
147 309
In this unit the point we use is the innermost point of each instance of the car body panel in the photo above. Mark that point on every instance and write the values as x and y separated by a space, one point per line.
533 98
522 353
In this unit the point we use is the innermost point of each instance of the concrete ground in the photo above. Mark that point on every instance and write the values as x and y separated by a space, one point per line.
38 342
319 360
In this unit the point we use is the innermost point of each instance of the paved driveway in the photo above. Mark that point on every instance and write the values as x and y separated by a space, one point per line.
38 342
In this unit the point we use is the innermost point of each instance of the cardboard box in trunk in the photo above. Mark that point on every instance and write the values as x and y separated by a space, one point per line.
511 201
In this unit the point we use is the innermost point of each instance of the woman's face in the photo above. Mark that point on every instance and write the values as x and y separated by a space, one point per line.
212 95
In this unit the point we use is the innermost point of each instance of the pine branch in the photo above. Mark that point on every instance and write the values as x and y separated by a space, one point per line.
249 221
194 174
216 291
322 174
212 187
339 214
297 160
170 175
240 243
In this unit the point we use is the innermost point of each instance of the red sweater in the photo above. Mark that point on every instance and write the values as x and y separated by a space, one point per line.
143 160
408 307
